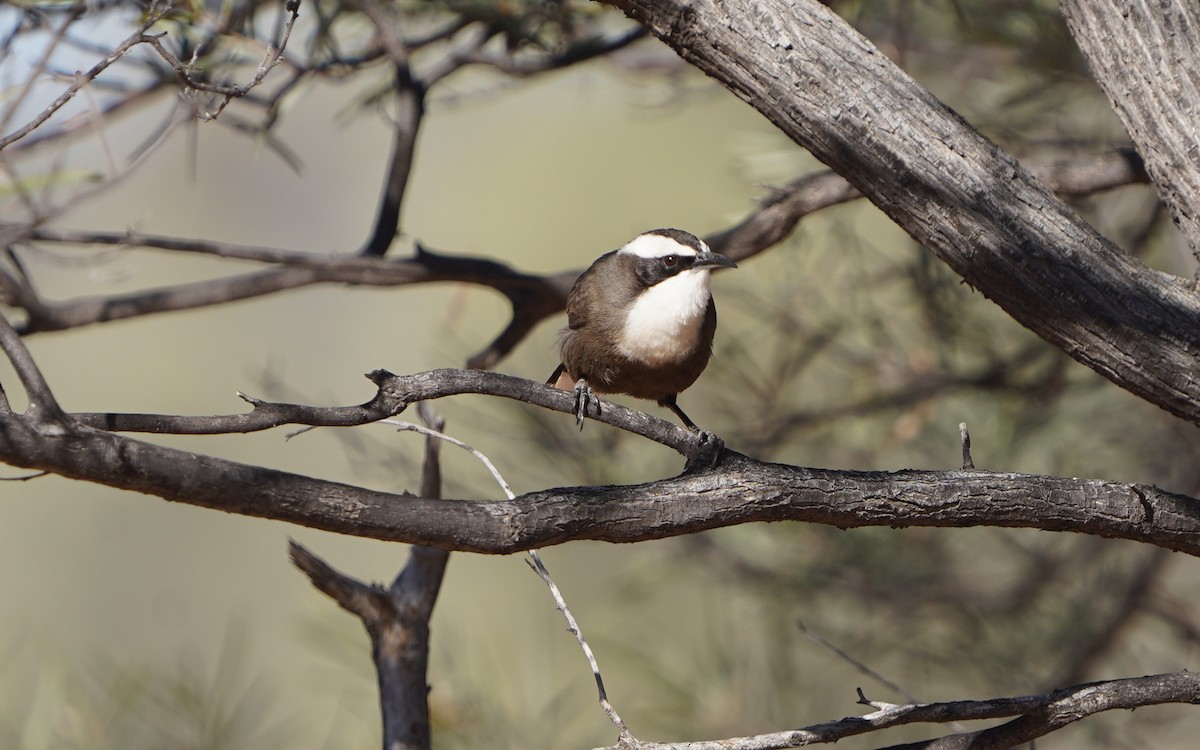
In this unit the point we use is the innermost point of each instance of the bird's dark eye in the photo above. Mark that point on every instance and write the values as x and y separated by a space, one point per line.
670 260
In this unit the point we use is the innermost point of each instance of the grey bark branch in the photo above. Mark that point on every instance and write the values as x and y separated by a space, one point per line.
534 298
956 192
1146 57
740 490
1038 715
1062 707
410 110
396 618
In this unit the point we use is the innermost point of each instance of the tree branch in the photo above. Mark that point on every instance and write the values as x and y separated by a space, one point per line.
81 79
831 91
410 109
1145 58
227 91
43 407
1039 715
740 490
534 298
396 618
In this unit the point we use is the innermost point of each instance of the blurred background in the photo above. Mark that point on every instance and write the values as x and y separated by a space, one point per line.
131 622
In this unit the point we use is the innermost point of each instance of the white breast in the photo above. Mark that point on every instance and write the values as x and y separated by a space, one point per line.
663 324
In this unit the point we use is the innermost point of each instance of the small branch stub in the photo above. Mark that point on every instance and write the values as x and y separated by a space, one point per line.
965 438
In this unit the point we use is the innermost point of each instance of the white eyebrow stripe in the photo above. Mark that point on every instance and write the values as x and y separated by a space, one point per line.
656 246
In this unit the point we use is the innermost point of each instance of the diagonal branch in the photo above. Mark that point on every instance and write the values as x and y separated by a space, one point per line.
1039 715
43 407
84 78
1145 58
740 490
534 298
974 206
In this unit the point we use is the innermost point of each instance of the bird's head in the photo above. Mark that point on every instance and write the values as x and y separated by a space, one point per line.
662 254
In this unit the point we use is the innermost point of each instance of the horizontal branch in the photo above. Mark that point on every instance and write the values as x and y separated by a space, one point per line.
533 297
395 394
739 490
1039 715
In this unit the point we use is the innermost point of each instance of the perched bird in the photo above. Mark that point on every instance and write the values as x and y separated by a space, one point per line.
640 321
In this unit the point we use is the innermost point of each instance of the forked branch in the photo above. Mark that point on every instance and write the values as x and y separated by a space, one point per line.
740 490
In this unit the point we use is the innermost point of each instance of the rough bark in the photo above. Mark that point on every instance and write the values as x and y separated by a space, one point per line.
830 90
1145 55
1037 715
739 490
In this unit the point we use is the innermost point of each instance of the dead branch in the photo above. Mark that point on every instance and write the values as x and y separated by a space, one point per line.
956 192
1038 715
739 490
533 297
396 618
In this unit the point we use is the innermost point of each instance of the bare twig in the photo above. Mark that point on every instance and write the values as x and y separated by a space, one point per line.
18 100
576 52
1039 715
83 79
535 562
395 393
396 618
539 567
43 407
410 110
26 477
861 667
964 438
228 91
436 434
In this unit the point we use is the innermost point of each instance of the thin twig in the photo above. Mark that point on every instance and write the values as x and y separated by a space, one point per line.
83 79
26 477
41 399
539 567
861 667
17 101
1038 715
430 432
272 58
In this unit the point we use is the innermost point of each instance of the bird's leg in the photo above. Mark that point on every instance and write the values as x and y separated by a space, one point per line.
557 372
584 396
669 402
708 446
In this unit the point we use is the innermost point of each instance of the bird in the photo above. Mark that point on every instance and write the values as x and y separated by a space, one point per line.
640 321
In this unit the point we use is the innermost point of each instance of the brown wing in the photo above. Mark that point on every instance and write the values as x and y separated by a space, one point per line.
583 296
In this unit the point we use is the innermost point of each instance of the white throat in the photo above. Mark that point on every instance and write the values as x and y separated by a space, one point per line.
663 324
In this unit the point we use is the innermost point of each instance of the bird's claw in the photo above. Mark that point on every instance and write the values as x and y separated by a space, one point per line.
584 397
706 452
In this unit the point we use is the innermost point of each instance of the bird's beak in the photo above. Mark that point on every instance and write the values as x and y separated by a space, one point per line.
708 259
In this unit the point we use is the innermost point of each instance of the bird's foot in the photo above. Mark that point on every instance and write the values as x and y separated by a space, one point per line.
705 453
584 397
